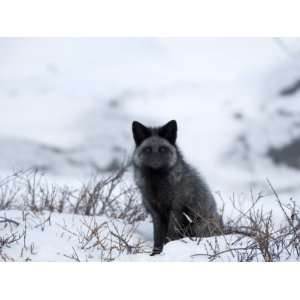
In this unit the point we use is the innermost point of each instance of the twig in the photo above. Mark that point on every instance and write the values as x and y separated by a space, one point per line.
7 220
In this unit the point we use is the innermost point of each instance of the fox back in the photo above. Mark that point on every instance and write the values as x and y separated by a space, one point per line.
177 198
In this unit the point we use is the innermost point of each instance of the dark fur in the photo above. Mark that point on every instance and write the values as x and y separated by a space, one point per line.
179 201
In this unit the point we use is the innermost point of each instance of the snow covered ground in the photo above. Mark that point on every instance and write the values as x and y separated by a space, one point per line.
67 107
68 237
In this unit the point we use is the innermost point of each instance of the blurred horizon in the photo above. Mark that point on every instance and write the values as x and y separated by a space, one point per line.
68 103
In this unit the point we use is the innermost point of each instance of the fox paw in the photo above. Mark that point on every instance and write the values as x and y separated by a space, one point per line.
156 251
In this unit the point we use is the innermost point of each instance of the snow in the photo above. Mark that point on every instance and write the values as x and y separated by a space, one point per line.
67 237
61 237
67 107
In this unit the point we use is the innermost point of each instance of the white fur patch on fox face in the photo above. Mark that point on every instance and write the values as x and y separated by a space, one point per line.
156 153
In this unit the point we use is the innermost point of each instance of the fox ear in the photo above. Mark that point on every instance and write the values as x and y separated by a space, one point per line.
140 132
169 131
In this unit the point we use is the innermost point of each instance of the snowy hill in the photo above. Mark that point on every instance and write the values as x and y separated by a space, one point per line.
70 102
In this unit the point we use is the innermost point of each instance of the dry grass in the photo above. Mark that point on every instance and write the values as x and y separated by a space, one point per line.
254 234
108 196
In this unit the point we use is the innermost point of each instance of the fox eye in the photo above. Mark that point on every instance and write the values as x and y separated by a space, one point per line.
147 150
163 149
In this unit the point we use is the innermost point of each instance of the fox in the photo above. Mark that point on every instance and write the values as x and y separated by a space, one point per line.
177 198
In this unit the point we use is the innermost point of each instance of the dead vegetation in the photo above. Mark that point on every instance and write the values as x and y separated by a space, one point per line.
252 233
108 239
109 196
255 234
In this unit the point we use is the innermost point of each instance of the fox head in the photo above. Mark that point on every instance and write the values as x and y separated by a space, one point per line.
155 147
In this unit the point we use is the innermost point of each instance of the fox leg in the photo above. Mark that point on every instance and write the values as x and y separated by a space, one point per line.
160 224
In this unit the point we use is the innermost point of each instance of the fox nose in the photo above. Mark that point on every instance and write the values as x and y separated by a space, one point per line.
156 161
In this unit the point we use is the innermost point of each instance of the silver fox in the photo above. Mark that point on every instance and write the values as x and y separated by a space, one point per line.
177 198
